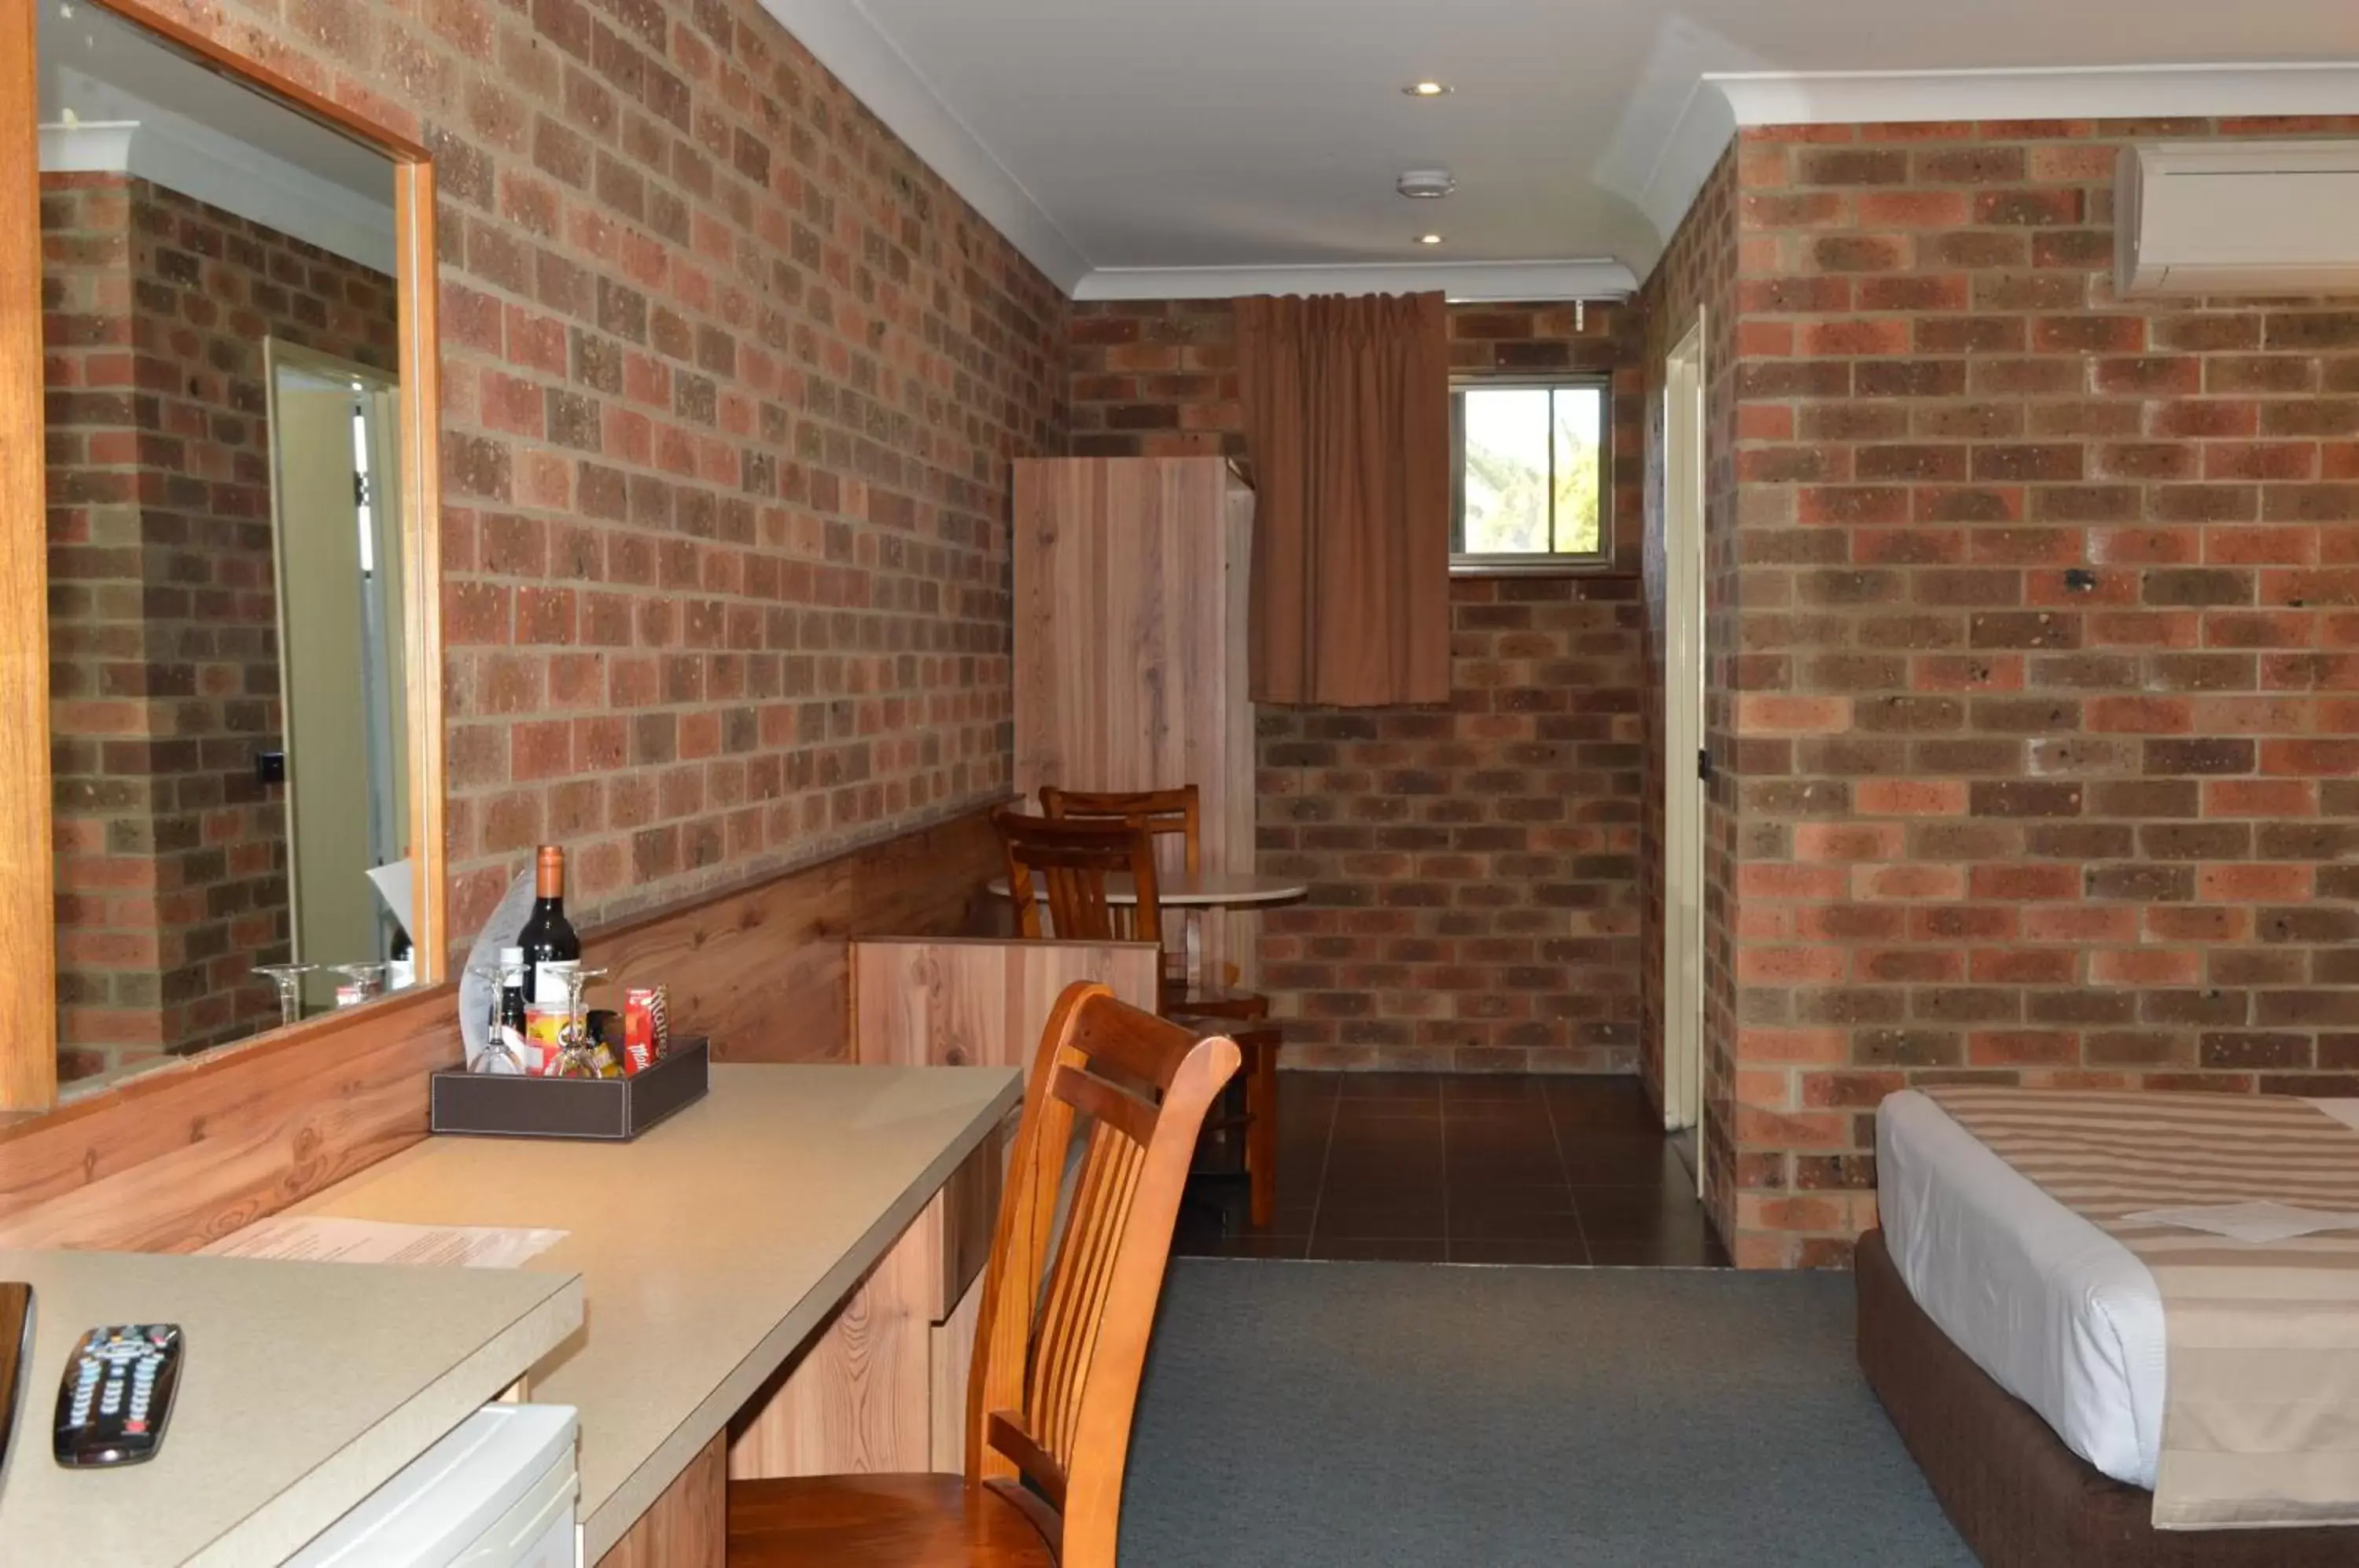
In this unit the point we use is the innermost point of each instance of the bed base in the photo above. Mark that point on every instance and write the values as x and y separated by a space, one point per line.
2018 1496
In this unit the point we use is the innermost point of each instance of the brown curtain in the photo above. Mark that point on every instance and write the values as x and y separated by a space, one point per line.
1347 425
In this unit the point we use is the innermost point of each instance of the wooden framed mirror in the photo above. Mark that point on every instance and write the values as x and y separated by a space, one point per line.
218 550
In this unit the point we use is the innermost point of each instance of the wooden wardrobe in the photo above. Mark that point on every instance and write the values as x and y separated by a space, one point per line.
1130 646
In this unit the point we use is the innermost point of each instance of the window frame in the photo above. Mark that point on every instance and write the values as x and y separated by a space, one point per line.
1475 563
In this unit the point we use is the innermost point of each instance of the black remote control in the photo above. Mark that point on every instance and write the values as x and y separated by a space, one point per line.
116 1394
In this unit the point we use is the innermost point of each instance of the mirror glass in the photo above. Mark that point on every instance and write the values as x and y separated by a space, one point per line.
225 551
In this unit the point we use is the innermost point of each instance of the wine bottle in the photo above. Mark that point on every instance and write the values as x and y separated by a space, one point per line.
547 936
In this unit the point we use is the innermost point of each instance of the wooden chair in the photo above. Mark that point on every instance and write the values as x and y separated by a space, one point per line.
1062 1336
1067 865
1164 813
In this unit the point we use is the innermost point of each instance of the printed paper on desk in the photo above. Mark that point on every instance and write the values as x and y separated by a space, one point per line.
323 1238
2264 1221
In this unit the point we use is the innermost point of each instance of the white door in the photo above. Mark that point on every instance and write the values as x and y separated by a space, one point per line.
340 621
1683 738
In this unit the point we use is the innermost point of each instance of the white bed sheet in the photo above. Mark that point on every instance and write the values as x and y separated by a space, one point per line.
2059 1314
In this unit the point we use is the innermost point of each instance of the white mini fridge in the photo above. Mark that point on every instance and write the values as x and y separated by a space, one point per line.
497 1492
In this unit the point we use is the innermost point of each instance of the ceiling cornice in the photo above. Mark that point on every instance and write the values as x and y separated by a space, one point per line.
1725 102
202 163
1467 280
2040 93
842 36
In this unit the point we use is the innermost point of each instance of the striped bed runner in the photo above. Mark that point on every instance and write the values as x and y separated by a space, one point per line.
2261 1403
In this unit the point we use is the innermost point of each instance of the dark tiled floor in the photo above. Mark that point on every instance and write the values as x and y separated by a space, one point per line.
1464 1168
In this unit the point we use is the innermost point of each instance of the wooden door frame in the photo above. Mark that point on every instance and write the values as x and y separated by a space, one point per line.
1684 438
28 1048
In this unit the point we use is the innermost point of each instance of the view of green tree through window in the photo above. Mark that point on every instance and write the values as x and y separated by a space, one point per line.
1531 471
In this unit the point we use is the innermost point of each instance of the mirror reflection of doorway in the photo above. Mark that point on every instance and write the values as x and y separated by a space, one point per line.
336 523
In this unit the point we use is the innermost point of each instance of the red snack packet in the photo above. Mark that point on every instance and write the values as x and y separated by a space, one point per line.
642 1036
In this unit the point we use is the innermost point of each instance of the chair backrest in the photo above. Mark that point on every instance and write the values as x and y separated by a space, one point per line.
1069 1299
1162 812
1069 863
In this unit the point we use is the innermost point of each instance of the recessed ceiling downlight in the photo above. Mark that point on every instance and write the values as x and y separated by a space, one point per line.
1426 184
1429 89
1429 239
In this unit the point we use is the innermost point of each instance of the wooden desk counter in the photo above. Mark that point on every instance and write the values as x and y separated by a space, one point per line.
304 1388
710 1249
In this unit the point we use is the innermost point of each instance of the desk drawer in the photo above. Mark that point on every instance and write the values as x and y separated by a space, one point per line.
958 1225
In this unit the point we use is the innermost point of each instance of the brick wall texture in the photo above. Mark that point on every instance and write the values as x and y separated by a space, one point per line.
2043 694
731 382
1475 868
165 679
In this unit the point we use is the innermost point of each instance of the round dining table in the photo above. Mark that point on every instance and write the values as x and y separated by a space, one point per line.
1201 890
1191 891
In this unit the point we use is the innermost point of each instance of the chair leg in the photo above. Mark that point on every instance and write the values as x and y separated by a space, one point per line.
1261 1134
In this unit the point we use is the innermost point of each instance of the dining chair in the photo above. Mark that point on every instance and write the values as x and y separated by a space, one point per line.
1066 865
1163 813
1069 1297
1167 813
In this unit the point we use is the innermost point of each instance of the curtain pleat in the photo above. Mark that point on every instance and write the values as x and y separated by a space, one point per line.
1347 427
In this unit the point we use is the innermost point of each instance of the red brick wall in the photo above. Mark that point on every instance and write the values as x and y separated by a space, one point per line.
2046 692
108 985
731 383
1474 868
164 678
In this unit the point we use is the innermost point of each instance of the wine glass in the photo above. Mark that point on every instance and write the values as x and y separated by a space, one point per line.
579 1055
497 1055
363 982
290 979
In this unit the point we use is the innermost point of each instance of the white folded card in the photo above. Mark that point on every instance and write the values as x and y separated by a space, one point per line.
2263 1221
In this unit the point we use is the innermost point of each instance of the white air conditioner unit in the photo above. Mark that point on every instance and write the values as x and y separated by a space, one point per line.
2230 217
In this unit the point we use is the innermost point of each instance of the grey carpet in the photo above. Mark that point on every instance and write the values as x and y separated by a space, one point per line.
1310 1414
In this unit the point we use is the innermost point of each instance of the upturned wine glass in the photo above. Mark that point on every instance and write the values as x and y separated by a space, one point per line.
290 979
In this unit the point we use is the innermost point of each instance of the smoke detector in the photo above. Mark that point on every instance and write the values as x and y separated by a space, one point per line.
1426 184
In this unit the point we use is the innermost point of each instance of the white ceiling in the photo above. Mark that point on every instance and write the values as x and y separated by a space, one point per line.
1117 140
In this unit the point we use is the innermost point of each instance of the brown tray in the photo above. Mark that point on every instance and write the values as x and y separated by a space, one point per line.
611 1110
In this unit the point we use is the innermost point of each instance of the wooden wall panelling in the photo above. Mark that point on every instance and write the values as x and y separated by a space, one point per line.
1131 577
977 1002
763 970
29 1064
952 1355
859 1399
687 1525
183 1155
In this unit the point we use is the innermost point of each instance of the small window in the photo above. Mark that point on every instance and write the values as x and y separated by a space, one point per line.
1530 473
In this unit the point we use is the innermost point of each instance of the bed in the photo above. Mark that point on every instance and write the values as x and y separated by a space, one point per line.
2020 1352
